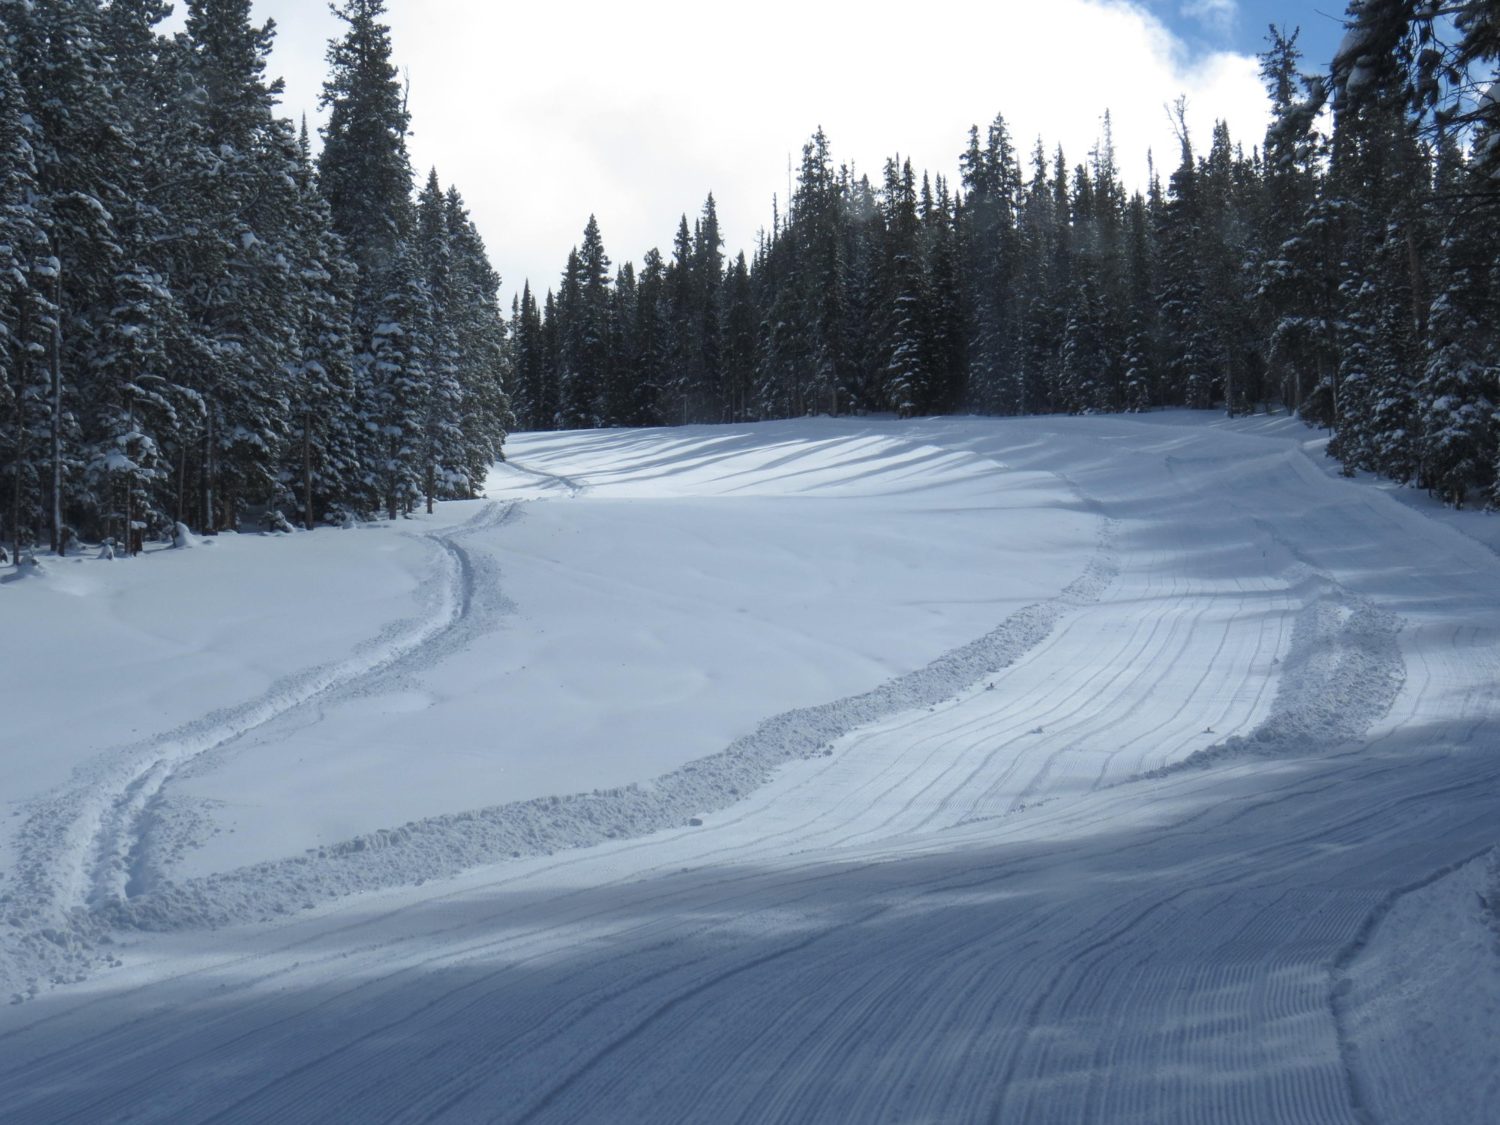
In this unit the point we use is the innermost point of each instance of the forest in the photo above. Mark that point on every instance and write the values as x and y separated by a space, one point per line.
203 324
1345 267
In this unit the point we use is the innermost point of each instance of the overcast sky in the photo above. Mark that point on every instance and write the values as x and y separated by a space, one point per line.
542 113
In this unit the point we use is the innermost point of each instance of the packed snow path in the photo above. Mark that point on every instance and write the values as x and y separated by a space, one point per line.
1166 843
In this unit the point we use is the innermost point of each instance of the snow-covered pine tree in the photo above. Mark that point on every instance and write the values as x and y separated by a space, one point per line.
1379 174
536 409
443 462
90 110
1193 375
990 252
902 330
322 459
651 339
231 267
621 375
1139 373
583 310
1296 291
740 341
25 309
1460 388
819 362
683 374
485 371
708 277
947 359
398 385
364 171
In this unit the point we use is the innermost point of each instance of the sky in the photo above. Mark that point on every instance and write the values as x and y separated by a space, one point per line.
542 114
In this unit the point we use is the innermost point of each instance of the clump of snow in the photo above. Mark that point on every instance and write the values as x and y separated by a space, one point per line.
28 567
276 521
182 538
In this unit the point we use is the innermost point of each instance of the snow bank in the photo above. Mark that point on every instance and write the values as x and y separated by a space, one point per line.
1418 1002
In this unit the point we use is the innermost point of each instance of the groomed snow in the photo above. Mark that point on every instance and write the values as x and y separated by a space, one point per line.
838 770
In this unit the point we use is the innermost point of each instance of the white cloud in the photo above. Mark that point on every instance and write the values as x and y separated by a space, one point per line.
1218 15
543 113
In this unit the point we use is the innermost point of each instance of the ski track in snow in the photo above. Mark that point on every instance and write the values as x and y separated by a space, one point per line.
442 846
1026 883
78 846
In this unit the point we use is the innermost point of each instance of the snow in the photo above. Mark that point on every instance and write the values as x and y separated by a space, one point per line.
1040 769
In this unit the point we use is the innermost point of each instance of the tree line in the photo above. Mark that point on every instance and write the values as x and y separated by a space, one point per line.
199 322
1346 267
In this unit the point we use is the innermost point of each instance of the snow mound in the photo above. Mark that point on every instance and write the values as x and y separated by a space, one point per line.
28 567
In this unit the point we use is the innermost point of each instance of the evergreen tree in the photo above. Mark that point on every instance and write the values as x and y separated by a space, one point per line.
1193 376
364 171
651 340
740 340
323 457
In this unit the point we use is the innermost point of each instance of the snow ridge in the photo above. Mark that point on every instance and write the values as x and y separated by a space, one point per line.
442 846
77 845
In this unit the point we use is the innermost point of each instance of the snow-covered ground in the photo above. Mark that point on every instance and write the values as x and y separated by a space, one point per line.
837 770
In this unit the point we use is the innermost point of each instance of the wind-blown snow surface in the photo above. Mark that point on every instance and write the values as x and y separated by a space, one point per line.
1092 769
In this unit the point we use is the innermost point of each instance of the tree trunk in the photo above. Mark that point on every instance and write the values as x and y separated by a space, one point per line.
23 331
57 523
181 512
129 492
307 472
15 507
207 480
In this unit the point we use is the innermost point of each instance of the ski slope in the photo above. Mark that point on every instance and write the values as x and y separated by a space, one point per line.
837 770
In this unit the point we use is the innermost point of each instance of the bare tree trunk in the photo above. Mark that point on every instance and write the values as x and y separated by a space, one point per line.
182 486
15 507
23 331
57 523
129 492
431 485
207 482
307 473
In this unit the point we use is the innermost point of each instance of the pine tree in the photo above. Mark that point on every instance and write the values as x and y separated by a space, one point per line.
232 268
1460 387
485 372
741 344
1194 369
651 338
1378 174
364 171
445 471
1296 289
25 310
990 254
397 369
323 455
906 383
